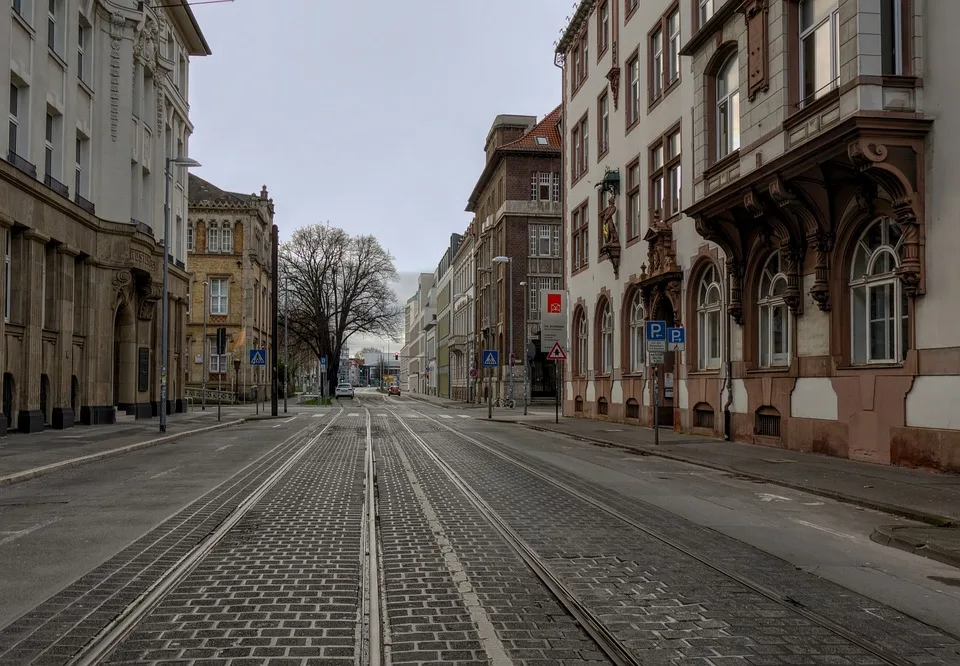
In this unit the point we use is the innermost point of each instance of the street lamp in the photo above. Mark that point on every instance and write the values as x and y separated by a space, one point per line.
206 343
509 262
526 341
489 338
164 306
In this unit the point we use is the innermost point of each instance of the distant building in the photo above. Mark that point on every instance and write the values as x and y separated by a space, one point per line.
461 342
229 244
444 279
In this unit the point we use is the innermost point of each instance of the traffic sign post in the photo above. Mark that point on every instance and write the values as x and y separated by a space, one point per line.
676 339
491 358
557 354
258 357
656 339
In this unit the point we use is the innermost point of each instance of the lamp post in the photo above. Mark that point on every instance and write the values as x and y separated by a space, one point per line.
509 262
286 345
489 338
526 341
164 305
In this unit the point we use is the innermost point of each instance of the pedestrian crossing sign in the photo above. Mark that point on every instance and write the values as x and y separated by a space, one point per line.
491 358
557 353
258 357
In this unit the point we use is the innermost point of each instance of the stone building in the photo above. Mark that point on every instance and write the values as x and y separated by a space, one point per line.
463 354
97 101
517 209
798 224
443 277
229 245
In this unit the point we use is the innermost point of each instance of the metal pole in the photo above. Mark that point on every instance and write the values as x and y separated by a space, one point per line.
510 301
489 344
219 382
557 391
286 346
275 323
656 405
206 344
164 314
523 347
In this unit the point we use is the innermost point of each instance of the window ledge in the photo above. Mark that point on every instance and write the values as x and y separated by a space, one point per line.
870 366
723 163
802 114
86 86
704 373
56 56
23 22
778 370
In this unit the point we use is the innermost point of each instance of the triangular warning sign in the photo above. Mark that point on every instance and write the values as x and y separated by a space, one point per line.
557 353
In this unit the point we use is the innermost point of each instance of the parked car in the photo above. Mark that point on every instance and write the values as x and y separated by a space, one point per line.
393 390
344 391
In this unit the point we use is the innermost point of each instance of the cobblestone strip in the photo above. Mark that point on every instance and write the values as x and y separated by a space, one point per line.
666 606
281 588
882 625
457 549
52 632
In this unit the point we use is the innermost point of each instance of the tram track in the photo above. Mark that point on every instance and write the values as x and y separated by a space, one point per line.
374 624
612 647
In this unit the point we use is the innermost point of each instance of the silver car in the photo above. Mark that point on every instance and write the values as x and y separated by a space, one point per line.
344 391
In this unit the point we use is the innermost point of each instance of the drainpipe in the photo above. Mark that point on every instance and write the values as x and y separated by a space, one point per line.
728 367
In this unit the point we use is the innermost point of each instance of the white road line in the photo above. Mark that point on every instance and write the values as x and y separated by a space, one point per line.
225 446
165 472
283 423
835 533
317 416
464 416
445 416
13 536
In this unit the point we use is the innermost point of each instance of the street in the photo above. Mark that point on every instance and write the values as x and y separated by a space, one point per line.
389 530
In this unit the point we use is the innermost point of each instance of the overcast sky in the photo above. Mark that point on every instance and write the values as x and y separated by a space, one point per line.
371 115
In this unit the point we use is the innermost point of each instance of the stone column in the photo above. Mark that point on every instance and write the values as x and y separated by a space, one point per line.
32 255
100 290
63 415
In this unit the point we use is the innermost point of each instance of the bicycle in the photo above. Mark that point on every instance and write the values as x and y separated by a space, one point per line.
504 402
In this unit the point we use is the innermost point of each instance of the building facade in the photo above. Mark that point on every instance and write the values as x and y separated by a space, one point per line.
517 226
444 279
415 349
463 354
795 224
229 247
97 101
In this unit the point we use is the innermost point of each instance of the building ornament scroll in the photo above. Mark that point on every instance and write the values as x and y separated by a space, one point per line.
122 282
822 245
735 280
792 256
117 21
149 295
613 76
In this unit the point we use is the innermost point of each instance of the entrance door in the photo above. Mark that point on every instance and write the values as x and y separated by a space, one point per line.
666 373
45 398
8 388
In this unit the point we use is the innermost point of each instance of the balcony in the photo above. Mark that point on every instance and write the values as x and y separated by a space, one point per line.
85 204
142 227
56 186
22 164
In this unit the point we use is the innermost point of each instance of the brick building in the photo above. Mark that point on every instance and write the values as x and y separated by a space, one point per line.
516 203
228 243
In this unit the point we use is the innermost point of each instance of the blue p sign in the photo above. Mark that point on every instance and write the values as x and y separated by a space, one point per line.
656 330
676 336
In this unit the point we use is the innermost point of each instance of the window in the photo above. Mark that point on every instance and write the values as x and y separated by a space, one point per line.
545 186
665 54
819 47
7 288
665 176
774 315
704 11
17 137
84 52
891 34
182 74
538 284
23 9
81 183
544 240
580 55
629 6
582 341
728 108
226 237
605 320
52 159
656 64
190 240
219 290
580 143
709 304
633 199
633 99
213 237
603 27
603 119
879 313
218 362
580 241
636 333
56 25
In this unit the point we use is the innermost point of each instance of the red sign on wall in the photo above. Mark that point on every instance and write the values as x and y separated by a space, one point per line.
555 303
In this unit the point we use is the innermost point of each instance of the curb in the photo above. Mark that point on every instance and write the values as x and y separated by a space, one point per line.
26 475
934 519
888 535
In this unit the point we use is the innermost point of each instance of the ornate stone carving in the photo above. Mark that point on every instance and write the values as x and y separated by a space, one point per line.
149 295
117 21
792 257
122 279
822 245
611 239
672 291
735 278
864 153
145 45
661 255
758 79
866 196
910 266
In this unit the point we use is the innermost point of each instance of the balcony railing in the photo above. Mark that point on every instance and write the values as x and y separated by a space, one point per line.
56 186
22 164
85 204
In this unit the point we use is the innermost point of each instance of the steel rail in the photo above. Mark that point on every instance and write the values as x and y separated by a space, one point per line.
112 635
375 619
609 644
794 606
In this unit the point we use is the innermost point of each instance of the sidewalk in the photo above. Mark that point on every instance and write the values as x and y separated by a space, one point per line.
24 457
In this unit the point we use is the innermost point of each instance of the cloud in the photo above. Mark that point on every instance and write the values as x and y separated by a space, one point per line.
404 288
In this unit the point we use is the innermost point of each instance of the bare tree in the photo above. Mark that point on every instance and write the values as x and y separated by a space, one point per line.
339 286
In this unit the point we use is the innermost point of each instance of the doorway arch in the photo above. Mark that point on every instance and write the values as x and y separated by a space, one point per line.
124 359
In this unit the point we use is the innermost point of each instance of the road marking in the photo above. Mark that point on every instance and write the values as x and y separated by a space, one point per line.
317 416
464 416
445 416
835 533
13 536
225 446
165 472
770 497
283 423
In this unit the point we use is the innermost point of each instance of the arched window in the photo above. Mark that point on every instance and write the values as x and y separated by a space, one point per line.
774 315
605 320
582 348
636 333
879 322
709 303
728 107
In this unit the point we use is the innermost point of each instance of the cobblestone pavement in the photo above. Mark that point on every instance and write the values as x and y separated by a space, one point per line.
667 606
56 629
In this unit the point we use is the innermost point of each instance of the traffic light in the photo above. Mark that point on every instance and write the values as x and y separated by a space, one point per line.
396 357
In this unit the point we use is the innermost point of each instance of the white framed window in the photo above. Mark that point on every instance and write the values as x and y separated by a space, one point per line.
218 362
606 338
219 291
879 311
709 307
226 237
81 181
213 237
84 51
728 108
637 317
52 145
56 26
7 288
603 135
583 340
891 32
18 134
190 239
542 186
633 101
774 315
544 240
633 200
656 57
24 9
819 48
673 47
704 11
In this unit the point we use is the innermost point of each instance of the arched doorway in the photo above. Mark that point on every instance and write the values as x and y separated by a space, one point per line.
666 373
45 399
8 392
124 359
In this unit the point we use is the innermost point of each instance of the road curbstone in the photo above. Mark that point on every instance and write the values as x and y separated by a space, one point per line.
904 537
36 472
